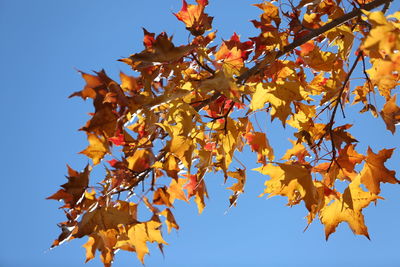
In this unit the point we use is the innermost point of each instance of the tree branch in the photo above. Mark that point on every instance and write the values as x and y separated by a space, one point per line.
297 42
337 104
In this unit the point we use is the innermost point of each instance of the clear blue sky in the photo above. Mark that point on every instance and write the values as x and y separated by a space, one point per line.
42 44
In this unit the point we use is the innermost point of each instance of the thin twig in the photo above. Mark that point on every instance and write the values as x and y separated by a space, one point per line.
205 67
337 102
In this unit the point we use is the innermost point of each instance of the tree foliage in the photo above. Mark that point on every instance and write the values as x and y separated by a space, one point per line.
191 108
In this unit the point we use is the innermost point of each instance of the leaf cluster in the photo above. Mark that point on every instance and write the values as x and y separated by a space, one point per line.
189 109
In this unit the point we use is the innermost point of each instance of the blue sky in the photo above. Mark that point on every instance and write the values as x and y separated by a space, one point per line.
43 43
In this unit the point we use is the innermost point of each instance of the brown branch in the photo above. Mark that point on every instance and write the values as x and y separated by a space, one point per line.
297 42
207 101
337 104
205 67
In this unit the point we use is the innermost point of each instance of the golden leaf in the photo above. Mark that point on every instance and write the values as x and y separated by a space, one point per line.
391 114
175 190
170 219
134 237
291 180
140 161
97 149
196 21
238 187
348 209
258 142
375 172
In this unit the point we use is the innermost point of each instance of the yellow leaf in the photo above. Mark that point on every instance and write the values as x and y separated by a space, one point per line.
238 187
201 192
260 96
343 37
298 150
175 190
103 218
271 13
348 209
223 82
135 236
140 161
182 147
170 219
375 172
391 114
90 248
291 180
97 148
383 38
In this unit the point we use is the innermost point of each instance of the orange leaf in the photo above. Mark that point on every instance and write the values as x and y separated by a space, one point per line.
161 197
259 143
171 222
391 114
375 172
196 21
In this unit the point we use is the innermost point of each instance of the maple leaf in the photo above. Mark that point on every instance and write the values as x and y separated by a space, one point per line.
182 147
383 37
342 37
391 114
291 180
190 109
74 189
233 53
298 150
129 83
196 21
103 122
140 161
175 190
348 209
97 149
170 220
259 142
196 187
92 82
375 172
170 166
161 197
223 81
104 241
238 187
161 51
342 168
271 13
192 185
317 59
135 236
104 218
117 140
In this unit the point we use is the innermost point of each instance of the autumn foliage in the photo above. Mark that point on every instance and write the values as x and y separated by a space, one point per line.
189 109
